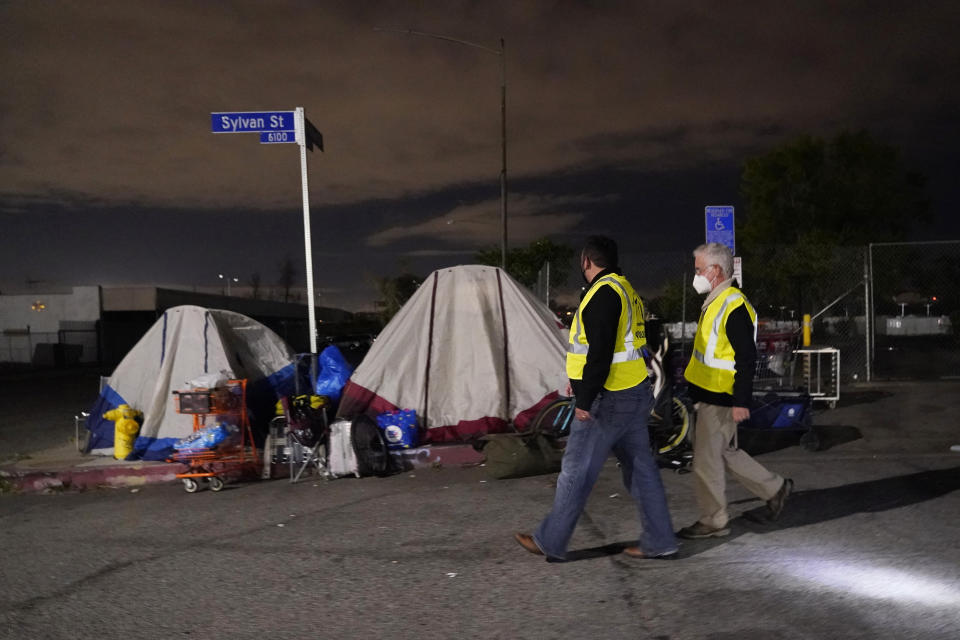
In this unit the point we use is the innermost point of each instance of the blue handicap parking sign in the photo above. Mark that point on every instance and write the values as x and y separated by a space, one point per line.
719 223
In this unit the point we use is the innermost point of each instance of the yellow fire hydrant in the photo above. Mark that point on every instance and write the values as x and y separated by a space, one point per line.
125 429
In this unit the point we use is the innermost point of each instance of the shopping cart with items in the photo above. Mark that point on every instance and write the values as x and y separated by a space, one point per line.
779 403
222 448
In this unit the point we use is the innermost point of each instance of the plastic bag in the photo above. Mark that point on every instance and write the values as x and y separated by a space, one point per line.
208 437
399 428
210 380
333 375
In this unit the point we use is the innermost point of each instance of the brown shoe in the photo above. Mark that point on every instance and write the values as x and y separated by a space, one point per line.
526 541
699 530
637 552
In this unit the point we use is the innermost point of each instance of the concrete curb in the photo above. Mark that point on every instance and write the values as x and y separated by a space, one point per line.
451 455
80 478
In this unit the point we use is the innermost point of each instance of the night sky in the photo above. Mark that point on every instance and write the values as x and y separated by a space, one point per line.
623 118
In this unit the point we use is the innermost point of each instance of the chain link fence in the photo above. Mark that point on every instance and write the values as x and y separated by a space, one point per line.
891 309
542 287
915 303
49 348
17 345
783 284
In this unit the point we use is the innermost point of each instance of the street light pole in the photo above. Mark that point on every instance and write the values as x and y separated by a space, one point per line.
228 279
502 52
503 149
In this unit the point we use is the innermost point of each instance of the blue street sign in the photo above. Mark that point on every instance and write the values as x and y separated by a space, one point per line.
251 121
277 137
719 222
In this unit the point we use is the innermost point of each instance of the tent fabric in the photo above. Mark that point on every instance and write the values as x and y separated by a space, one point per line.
187 342
471 351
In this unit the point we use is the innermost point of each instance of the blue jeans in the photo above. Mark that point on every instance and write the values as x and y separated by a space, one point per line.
618 423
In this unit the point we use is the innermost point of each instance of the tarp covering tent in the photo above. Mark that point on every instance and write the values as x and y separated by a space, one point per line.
185 343
471 350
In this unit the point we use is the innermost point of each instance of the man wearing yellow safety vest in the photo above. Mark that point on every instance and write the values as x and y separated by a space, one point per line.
720 381
608 376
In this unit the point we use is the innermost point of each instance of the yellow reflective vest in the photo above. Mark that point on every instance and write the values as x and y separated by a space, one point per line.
628 368
712 365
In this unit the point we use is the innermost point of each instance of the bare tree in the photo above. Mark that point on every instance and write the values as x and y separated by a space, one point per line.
255 286
288 277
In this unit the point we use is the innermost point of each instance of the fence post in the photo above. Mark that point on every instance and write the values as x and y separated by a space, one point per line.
869 320
683 317
547 288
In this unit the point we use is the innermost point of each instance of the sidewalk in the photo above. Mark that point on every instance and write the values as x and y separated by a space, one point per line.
871 419
64 468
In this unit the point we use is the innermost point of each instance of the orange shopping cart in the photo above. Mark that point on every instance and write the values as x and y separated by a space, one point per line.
222 445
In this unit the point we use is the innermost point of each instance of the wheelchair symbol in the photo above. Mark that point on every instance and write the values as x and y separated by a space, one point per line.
718 225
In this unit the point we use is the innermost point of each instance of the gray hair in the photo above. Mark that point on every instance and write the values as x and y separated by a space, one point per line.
718 254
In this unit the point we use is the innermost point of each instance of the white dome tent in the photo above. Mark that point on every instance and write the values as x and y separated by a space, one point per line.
183 344
471 351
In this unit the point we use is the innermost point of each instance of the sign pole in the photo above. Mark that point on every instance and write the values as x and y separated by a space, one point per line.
307 244
275 127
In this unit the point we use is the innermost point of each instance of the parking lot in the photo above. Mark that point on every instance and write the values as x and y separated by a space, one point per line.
866 548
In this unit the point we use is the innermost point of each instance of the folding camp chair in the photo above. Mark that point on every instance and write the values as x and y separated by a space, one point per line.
307 431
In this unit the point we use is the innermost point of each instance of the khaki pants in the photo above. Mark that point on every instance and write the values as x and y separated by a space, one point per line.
715 451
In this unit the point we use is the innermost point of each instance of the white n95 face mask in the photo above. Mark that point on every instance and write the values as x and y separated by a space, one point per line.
701 284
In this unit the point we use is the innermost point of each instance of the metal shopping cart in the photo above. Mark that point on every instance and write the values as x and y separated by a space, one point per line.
780 402
236 455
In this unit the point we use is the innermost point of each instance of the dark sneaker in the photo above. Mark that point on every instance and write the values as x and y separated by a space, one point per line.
775 504
637 552
700 530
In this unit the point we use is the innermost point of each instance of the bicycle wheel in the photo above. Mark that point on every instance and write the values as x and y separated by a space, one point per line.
669 435
555 418
373 457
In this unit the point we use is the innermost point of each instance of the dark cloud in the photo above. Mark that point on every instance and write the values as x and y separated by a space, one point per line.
613 108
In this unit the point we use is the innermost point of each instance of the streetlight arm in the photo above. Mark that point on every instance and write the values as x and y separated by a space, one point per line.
502 52
467 43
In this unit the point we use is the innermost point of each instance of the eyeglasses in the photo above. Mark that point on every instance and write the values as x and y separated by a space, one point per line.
700 271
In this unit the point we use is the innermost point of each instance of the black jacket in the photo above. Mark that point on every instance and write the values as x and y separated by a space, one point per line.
601 319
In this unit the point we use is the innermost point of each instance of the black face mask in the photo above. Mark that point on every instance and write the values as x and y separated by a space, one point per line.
584 274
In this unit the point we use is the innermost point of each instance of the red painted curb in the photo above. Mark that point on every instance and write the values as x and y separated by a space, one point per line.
77 478
80 478
451 455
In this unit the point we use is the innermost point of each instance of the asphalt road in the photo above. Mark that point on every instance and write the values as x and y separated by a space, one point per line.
867 548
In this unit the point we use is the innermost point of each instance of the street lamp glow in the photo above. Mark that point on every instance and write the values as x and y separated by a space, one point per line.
229 279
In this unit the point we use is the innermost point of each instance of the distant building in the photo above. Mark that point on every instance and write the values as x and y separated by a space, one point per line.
98 325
